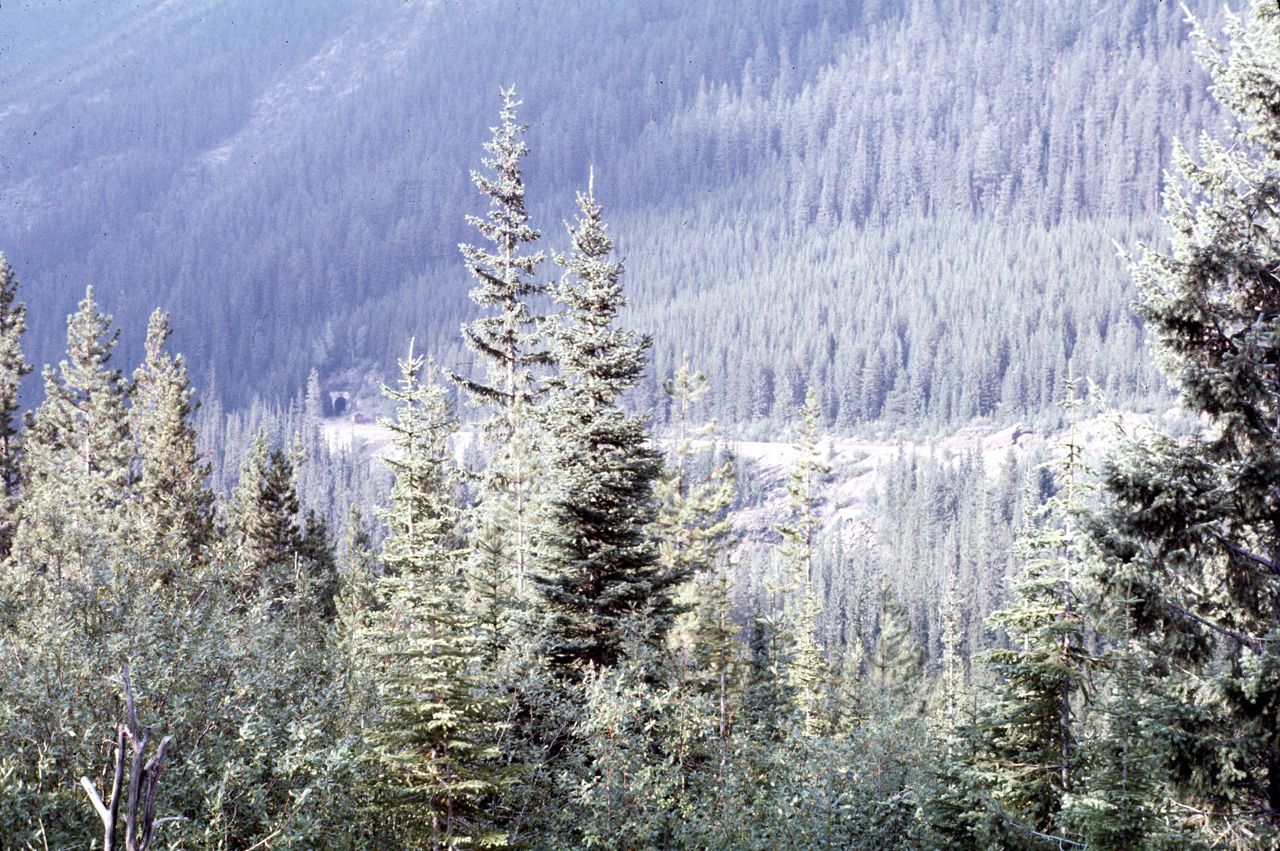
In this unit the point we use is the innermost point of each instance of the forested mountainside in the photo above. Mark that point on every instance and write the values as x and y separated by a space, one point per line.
908 206
554 632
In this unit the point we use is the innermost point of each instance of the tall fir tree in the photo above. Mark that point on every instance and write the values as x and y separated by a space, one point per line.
172 496
1122 806
1028 736
278 552
510 343
434 738
78 474
1191 526
693 525
898 660
807 668
13 367
596 562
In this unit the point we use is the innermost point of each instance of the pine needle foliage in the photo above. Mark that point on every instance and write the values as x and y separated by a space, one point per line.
79 452
1191 526
433 739
171 475
595 560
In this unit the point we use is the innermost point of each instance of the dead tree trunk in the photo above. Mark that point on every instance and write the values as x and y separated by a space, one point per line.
140 807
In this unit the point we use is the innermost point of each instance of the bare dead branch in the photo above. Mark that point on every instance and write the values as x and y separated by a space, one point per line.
144 779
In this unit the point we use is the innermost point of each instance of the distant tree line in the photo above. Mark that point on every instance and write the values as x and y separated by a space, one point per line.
906 206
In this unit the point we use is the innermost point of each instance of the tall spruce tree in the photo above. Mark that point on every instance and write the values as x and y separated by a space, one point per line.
1028 736
898 661
172 496
276 550
596 563
693 525
510 343
1191 526
1122 807
434 738
807 667
78 474
13 323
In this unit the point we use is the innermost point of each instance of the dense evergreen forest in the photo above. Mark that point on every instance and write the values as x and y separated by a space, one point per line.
908 206
535 623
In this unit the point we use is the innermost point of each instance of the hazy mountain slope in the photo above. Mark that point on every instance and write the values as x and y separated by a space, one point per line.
827 192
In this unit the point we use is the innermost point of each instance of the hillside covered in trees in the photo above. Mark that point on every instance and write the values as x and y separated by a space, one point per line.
908 206
536 622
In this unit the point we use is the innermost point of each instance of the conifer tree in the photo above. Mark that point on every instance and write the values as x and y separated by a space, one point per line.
1028 736
13 323
434 739
898 660
596 562
171 475
278 552
694 531
717 661
79 453
357 573
1122 808
509 341
693 525
807 668
1191 528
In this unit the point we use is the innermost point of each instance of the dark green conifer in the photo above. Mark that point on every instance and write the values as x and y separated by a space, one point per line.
1028 735
596 562
1191 526
276 551
1123 807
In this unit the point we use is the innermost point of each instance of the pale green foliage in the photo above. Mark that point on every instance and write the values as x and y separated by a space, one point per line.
510 343
509 340
260 710
433 739
807 669
693 526
171 491
898 661
78 474
798 534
